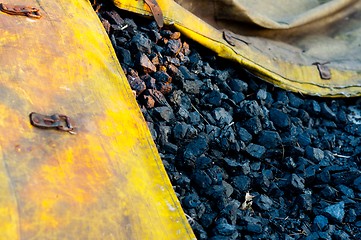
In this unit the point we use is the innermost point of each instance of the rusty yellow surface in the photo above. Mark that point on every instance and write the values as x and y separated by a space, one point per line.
286 60
105 182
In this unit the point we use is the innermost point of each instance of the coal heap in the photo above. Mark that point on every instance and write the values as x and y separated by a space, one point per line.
247 160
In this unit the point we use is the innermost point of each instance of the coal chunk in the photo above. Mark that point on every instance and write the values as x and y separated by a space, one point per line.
314 154
295 101
222 116
141 43
289 163
262 181
191 201
214 98
269 139
163 133
157 97
335 212
161 76
357 184
282 98
243 134
196 148
225 229
164 113
324 176
241 183
199 231
345 177
114 17
326 112
144 64
194 118
203 162
261 94
238 85
183 113
348 192
124 56
234 167
280 119
313 107
173 47
175 73
253 125
149 81
350 216
201 179
304 139
179 130
296 183
262 203
255 150
192 86
208 218
250 108
328 192
230 211
180 99
228 188
170 148
195 60
320 223
341 235
237 97
305 201
253 225
136 84
186 73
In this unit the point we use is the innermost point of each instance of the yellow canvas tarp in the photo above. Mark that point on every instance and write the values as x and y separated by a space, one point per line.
307 46
105 182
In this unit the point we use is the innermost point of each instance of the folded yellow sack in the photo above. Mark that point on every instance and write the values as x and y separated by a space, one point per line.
307 46
106 181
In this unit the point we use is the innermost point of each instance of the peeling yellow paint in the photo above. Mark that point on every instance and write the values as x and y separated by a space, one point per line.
102 183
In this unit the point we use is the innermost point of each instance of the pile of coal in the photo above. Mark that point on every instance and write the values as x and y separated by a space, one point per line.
246 159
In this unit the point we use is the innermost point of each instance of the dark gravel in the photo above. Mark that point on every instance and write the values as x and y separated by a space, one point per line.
247 160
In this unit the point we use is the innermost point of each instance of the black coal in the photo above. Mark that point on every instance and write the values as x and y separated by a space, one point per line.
247 160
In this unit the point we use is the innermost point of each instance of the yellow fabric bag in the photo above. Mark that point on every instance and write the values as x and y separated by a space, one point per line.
307 46
105 182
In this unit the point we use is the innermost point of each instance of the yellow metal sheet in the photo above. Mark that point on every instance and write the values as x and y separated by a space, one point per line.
325 32
105 182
